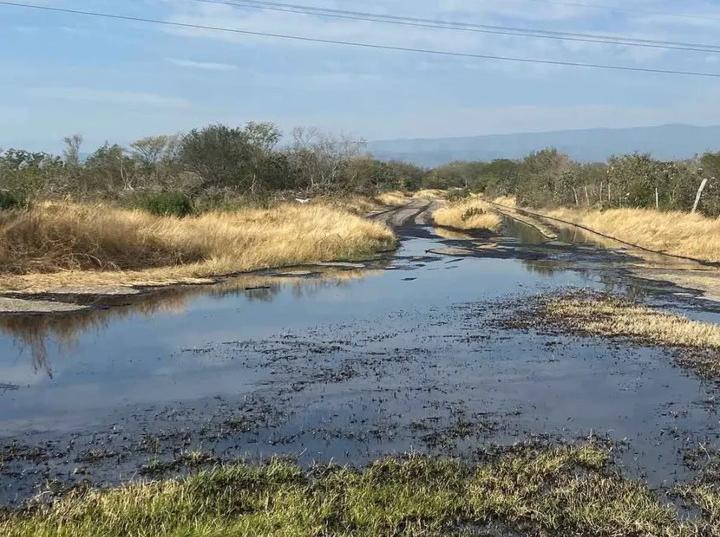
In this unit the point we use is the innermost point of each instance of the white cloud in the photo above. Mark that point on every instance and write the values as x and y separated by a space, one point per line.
543 14
205 66
109 96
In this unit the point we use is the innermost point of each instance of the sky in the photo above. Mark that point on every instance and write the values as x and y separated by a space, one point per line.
62 74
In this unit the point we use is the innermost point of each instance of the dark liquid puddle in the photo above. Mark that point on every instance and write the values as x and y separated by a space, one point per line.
398 359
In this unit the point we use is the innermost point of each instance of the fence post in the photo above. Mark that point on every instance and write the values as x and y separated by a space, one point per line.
657 200
699 193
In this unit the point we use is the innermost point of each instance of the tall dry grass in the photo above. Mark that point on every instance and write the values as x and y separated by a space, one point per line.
508 201
471 214
677 233
393 198
430 194
57 244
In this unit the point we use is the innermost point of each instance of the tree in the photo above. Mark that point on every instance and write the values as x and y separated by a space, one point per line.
71 153
157 157
230 157
108 169
319 161
28 173
540 171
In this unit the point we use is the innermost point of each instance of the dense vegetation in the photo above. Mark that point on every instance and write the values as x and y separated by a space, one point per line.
549 178
218 165
206 168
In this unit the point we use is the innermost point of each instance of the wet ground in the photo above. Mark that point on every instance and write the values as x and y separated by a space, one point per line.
346 366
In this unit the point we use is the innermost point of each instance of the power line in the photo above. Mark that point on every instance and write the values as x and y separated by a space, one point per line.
358 44
468 27
620 9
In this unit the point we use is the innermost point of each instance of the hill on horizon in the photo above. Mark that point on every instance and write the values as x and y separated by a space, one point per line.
665 142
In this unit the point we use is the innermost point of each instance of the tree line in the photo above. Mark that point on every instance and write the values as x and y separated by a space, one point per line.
205 168
550 178
217 166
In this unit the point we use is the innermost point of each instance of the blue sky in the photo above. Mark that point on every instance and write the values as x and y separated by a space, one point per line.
64 74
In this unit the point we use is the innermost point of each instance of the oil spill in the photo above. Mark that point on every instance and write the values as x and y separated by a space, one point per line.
407 356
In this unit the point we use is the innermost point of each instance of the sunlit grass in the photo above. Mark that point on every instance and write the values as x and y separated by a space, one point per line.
551 491
606 315
472 214
57 244
677 233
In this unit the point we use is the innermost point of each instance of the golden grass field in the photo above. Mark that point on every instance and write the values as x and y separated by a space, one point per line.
677 233
59 244
472 214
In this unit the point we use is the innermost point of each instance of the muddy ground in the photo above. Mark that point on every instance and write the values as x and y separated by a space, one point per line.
403 354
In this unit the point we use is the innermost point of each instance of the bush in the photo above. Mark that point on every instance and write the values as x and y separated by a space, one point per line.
12 200
165 204
458 194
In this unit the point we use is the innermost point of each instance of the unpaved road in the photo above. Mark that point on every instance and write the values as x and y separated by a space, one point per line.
418 211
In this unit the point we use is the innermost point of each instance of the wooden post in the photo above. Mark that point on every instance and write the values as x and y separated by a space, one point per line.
587 196
699 193
577 201
609 198
657 200
600 193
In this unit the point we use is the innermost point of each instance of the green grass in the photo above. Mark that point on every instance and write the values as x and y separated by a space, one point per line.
559 491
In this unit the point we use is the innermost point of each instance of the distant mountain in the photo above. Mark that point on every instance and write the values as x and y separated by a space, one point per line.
587 145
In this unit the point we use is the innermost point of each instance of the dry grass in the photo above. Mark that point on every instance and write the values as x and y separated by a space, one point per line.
606 315
430 194
394 198
468 215
363 205
508 201
540 492
54 245
677 233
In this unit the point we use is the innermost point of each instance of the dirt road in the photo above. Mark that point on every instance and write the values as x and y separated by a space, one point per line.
418 211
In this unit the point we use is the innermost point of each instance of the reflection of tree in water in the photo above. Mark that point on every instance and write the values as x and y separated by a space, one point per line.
35 332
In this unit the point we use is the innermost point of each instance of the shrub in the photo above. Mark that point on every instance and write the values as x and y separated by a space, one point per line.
165 204
458 194
12 200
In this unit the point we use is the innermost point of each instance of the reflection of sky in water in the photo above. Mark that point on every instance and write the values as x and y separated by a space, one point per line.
170 347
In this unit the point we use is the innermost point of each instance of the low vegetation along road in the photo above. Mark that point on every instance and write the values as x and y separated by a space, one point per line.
545 386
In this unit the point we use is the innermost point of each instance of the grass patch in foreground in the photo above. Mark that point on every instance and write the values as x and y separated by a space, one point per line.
468 215
56 244
676 233
551 491
606 315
